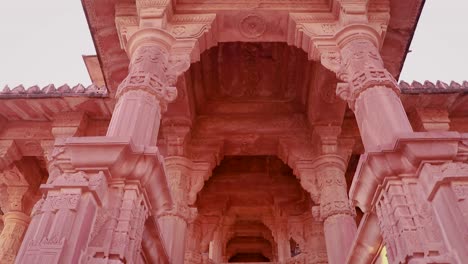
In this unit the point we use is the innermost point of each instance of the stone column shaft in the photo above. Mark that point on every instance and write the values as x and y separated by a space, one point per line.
217 247
143 96
339 223
284 250
14 228
174 222
14 190
372 93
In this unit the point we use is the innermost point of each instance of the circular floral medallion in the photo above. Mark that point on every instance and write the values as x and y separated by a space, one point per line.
252 26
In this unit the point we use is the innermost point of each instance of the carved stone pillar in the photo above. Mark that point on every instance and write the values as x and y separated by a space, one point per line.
143 96
62 219
173 223
408 225
200 234
339 224
15 222
193 254
370 90
14 204
315 250
118 230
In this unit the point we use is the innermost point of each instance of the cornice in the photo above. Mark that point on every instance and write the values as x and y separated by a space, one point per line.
51 91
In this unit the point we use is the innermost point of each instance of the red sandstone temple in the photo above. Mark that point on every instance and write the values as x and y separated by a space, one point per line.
248 131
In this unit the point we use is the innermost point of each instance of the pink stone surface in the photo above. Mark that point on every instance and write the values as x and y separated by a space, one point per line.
251 132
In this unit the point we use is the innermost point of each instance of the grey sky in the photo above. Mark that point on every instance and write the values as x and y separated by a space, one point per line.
43 41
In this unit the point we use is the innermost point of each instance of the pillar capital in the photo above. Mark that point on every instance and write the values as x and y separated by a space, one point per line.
363 69
185 178
148 73
351 51
11 198
332 185
357 62
15 225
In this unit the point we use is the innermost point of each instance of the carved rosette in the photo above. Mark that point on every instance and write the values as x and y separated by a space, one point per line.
252 26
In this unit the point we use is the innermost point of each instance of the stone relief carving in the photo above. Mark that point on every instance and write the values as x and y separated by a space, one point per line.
409 230
149 72
252 26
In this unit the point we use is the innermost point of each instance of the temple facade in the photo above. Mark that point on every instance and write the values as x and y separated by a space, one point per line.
243 131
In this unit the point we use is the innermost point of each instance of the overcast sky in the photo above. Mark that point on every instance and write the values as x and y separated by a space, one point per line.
43 41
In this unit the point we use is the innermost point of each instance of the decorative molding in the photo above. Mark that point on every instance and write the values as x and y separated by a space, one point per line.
252 26
51 91
430 87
